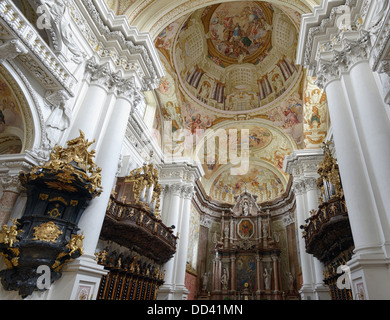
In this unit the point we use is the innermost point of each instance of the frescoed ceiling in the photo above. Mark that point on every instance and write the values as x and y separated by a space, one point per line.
230 65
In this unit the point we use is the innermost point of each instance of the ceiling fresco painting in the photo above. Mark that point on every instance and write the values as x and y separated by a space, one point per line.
230 65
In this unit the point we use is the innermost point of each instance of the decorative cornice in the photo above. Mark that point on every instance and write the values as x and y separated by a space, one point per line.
327 47
303 162
11 48
50 71
142 58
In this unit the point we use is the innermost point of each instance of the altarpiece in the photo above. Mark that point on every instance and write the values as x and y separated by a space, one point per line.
247 258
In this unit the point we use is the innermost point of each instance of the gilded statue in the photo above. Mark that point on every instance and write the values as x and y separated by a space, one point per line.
101 256
143 178
8 235
75 244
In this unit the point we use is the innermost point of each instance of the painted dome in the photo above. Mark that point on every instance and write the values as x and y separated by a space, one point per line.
236 57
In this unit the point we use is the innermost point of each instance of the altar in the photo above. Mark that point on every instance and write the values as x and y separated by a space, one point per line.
246 265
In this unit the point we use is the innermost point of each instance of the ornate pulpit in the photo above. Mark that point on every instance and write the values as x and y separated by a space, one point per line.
47 234
246 263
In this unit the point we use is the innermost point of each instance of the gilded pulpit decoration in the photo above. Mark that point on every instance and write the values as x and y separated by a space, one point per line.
8 235
48 232
58 192
70 165
329 224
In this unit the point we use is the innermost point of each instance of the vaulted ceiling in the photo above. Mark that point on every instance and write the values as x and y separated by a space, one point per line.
230 66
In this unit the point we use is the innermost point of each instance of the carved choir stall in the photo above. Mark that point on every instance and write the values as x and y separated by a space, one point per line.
46 235
133 221
247 259
327 232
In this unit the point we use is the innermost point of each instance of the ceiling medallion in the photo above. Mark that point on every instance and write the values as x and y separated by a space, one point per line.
238 32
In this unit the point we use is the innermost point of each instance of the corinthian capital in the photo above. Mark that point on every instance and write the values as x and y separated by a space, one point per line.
299 187
11 183
188 192
342 57
310 183
175 189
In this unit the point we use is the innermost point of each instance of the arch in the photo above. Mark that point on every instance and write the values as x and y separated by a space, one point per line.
154 16
233 124
29 133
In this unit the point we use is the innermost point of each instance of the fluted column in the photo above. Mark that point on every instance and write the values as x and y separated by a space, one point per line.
233 273
276 275
11 166
180 176
259 271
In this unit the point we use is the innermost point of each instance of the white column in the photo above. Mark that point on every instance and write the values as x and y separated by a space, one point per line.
92 219
321 291
374 132
360 128
166 291
85 269
181 290
307 275
356 185
90 110
368 266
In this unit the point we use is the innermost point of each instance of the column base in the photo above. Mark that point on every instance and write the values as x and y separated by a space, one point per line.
80 280
307 293
172 292
321 292
369 277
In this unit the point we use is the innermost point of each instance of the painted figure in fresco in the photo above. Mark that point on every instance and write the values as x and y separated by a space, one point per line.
315 117
246 229
237 32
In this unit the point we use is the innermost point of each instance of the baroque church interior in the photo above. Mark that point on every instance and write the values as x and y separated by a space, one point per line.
194 150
